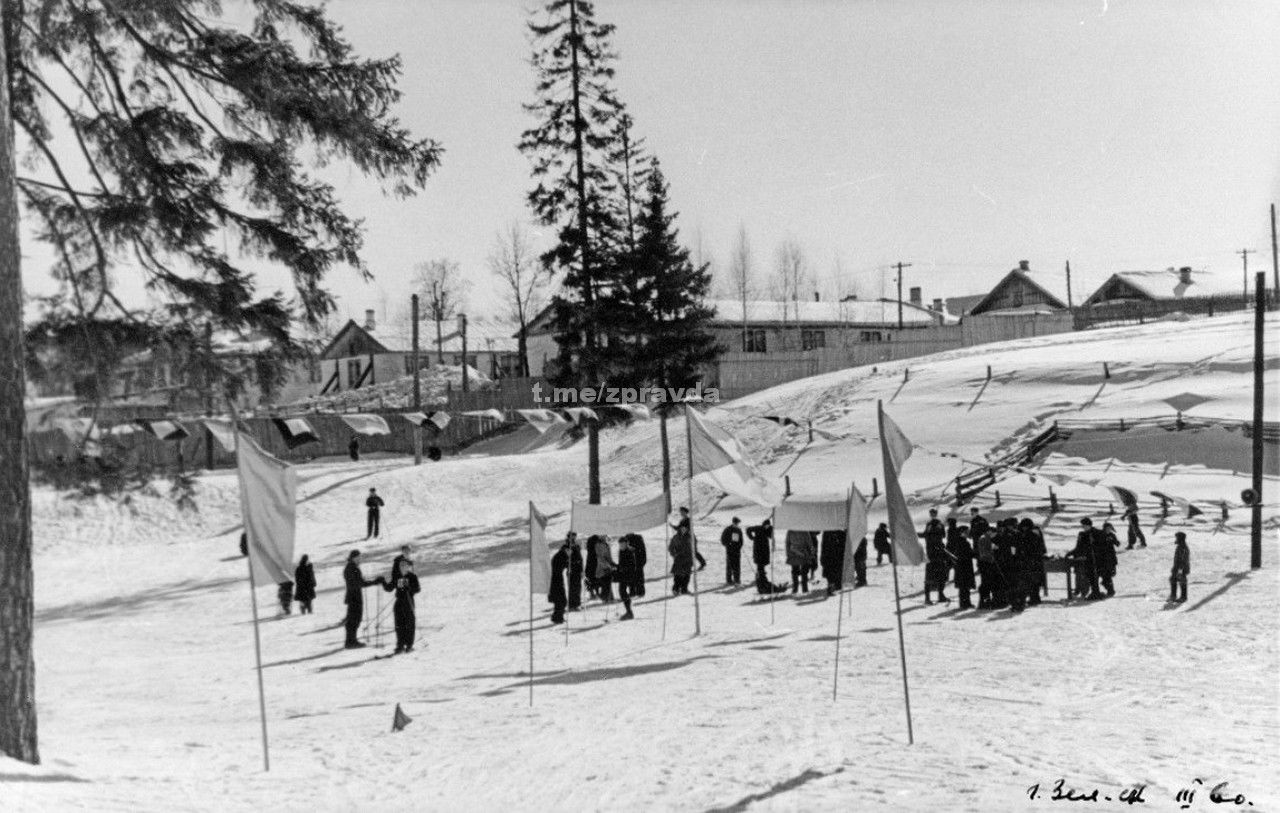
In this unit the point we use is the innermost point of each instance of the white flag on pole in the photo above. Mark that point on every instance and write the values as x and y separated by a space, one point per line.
365 424
895 448
857 525
268 497
539 555
222 432
717 454
540 419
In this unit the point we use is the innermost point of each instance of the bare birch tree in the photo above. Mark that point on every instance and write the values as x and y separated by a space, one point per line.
444 291
514 261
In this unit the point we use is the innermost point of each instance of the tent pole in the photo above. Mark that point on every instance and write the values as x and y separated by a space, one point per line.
253 596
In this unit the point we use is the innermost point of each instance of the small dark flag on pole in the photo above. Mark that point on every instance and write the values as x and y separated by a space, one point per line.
400 720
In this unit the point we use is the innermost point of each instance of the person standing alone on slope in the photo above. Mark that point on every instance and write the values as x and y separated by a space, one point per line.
374 504
731 539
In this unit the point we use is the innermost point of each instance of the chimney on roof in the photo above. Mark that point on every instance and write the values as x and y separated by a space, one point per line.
937 305
369 323
917 298
1024 265
1184 275
816 298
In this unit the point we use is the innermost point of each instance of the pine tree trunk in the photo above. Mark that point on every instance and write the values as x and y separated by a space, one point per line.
17 665
439 342
666 453
522 349
593 454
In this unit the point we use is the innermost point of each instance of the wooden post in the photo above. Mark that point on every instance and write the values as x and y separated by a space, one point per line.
693 539
417 399
1259 308
787 478
997 498
875 488
1106 371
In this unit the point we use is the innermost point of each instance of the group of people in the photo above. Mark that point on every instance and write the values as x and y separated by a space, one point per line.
598 570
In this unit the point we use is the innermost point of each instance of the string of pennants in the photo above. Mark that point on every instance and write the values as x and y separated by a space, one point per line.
298 431
1123 495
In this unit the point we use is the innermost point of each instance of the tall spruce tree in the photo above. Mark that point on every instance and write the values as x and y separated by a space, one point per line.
569 148
673 324
162 141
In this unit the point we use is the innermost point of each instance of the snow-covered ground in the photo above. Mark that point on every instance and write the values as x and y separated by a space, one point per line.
148 698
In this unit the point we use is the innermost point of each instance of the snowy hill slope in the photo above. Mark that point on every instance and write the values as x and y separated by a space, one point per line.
145 662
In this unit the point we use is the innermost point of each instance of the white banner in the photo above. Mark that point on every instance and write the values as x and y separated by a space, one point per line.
619 519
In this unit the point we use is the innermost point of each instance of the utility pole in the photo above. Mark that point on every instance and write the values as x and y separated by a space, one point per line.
1070 304
1275 258
1260 307
462 329
417 384
900 266
1244 255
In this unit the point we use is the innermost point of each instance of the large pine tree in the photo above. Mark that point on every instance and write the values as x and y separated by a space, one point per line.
160 140
569 147
671 320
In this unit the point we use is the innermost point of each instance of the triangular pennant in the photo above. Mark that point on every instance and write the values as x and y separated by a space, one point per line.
400 720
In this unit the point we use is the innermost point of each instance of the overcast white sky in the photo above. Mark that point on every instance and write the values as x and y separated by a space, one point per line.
957 135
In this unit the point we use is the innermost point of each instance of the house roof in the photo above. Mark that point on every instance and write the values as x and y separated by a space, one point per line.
875 312
1168 285
1052 286
346 331
869 312
960 305
482 334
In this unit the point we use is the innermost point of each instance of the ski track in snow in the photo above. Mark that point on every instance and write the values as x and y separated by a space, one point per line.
145 663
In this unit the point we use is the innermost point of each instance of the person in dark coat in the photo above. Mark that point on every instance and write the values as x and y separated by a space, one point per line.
978 524
1104 554
1135 530
605 568
575 571
1008 566
1086 566
589 576
731 539
404 583
355 583
244 544
801 557
681 550
642 558
304 580
625 574
353 448
962 559
1032 550
284 592
761 537
687 525
860 564
833 543
374 504
1181 568
938 564
984 551
881 541
556 594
